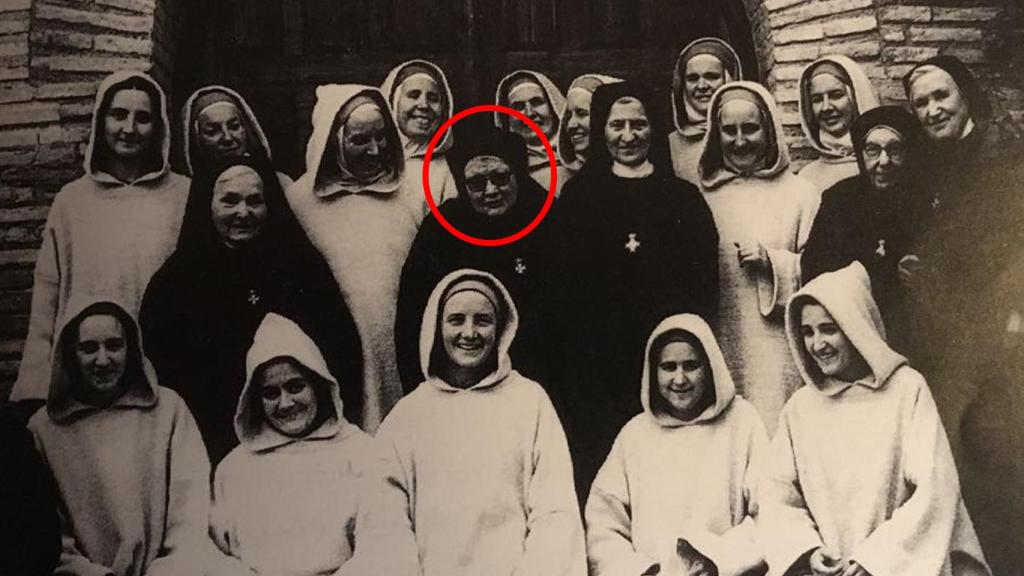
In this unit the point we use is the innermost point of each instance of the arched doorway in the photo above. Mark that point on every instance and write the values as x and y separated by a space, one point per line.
276 53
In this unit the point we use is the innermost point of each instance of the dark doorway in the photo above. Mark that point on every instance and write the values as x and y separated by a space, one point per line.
276 53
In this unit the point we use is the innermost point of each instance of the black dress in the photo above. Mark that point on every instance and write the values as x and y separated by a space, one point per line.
202 308
525 267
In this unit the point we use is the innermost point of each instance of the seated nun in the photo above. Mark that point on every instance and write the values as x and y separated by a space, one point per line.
131 471
305 493
219 124
497 198
485 467
536 97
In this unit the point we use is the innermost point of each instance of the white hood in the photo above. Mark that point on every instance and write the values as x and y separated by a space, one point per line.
190 128
846 295
330 99
431 314
861 91
725 388
419 149
163 131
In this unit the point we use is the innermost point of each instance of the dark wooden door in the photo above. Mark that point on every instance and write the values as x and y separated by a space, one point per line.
276 53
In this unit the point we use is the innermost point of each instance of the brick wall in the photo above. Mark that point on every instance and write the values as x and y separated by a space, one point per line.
887 38
54 52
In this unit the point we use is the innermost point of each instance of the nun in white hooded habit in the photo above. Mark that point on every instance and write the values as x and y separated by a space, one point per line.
536 97
764 215
219 124
110 230
834 91
703 66
357 213
421 101
574 125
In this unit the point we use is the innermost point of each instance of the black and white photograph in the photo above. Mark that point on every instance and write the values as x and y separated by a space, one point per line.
511 288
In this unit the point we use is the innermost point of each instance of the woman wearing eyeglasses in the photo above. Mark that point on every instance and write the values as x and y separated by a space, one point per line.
870 217
496 198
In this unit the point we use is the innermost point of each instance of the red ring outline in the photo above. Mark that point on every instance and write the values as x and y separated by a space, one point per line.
426 176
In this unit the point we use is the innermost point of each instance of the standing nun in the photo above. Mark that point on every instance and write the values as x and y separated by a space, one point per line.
574 127
638 244
764 214
834 91
353 206
421 101
241 255
219 124
703 67
965 289
871 217
537 97
109 231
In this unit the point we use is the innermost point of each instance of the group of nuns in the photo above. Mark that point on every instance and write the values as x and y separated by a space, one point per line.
246 375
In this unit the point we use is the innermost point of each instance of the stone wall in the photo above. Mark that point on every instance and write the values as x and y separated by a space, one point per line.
54 52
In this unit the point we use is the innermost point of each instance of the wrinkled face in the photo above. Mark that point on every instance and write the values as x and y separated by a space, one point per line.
682 378
364 142
577 106
102 352
704 74
221 132
828 345
419 108
628 132
831 104
744 135
533 103
128 125
468 329
939 105
884 157
491 186
289 403
238 208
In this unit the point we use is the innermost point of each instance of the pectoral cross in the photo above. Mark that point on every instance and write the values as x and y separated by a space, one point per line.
253 298
520 266
935 202
881 248
632 244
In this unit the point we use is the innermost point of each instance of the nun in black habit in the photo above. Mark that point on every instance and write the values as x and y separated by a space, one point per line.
638 245
493 202
241 254
871 217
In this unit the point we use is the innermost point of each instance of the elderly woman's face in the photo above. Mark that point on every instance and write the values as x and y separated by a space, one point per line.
703 75
530 100
490 185
743 135
238 208
419 108
628 132
129 124
939 105
884 157
222 132
364 142
831 104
